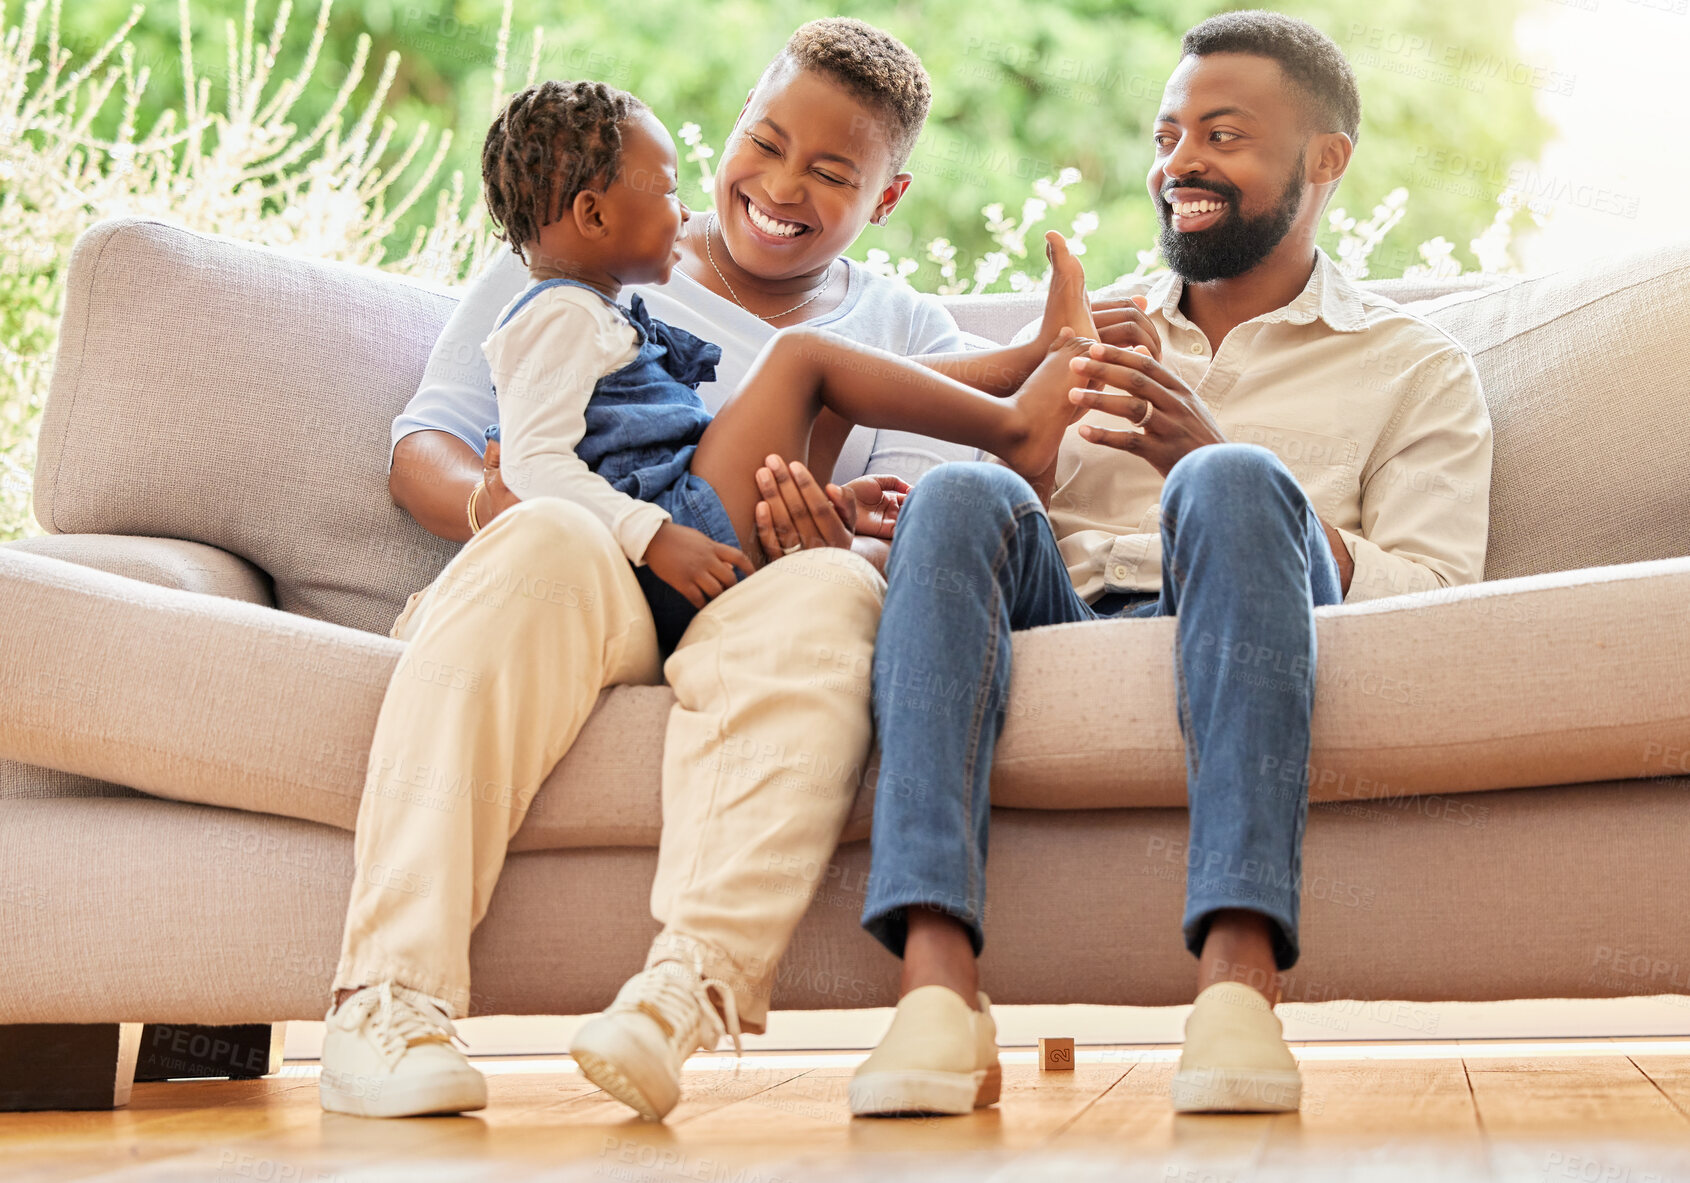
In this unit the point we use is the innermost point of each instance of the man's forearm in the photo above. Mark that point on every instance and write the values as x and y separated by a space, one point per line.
998 371
433 473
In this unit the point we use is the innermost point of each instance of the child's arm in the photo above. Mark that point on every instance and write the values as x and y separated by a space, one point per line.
545 362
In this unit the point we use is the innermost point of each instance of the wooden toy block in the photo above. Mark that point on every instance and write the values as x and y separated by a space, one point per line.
1056 1054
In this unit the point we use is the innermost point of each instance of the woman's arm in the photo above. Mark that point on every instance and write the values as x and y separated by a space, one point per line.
437 438
431 479
432 475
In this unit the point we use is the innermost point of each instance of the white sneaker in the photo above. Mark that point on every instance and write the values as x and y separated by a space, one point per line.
635 1049
939 1056
387 1052
1235 1059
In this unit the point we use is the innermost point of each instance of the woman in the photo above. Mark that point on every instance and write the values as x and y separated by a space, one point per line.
816 155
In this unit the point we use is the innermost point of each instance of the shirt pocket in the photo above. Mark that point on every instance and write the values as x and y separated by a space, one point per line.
1324 465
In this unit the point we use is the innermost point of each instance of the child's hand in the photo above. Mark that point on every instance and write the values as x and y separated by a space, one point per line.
869 505
693 563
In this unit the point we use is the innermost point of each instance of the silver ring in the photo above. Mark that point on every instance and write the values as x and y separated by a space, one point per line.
1149 410
793 549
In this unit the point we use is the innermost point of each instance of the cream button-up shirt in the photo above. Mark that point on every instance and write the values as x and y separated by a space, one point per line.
1377 413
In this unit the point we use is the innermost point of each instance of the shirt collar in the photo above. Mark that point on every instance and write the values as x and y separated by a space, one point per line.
1328 296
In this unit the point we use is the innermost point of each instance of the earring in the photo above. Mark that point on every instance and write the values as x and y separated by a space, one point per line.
881 220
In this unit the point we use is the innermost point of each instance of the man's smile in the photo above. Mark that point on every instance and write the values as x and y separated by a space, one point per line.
1191 210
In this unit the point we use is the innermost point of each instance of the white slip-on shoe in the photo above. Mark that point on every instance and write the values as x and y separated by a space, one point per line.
635 1049
387 1052
1235 1059
939 1056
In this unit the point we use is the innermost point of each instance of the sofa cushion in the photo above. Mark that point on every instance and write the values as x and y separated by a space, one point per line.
1587 371
1552 679
156 912
243 398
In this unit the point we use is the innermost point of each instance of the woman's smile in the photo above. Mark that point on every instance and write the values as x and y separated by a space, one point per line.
767 227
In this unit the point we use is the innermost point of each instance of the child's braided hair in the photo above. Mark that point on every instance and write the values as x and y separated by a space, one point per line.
551 141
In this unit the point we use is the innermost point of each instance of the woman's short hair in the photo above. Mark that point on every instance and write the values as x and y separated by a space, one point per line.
874 66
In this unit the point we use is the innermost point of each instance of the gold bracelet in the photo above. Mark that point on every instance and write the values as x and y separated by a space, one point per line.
474 526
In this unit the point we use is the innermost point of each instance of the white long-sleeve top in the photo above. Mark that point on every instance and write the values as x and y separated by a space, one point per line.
545 362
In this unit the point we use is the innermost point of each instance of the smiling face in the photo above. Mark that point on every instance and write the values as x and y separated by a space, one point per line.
1233 173
645 214
808 164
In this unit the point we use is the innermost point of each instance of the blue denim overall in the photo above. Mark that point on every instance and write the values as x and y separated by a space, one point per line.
643 424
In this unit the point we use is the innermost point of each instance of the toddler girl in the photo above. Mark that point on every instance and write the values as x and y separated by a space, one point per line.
598 403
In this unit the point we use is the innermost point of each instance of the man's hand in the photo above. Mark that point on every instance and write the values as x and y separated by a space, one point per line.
498 497
693 563
1178 422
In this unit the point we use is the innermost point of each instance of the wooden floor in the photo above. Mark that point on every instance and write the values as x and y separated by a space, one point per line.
1595 1111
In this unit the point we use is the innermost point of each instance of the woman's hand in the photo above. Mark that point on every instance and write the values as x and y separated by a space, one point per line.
693 563
797 513
498 497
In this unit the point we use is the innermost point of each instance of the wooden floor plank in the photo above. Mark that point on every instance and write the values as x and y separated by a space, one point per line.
1401 1121
1132 1133
1540 1118
1578 1117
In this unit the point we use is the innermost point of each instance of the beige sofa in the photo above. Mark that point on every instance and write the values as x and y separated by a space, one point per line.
192 661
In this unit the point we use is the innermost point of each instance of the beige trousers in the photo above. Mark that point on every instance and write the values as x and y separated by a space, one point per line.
506 654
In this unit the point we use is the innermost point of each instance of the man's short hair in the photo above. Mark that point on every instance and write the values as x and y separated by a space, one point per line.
874 66
1309 58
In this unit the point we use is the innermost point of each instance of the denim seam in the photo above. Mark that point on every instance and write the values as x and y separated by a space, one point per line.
1016 515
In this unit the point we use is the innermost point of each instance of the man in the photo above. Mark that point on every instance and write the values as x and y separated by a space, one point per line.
1261 451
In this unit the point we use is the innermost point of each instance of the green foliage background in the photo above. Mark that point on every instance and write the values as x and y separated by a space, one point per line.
1023 88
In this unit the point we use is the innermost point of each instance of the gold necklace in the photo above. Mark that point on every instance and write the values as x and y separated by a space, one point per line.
711 255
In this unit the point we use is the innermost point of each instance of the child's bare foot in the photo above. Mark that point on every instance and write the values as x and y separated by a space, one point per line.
1066 302
1044 408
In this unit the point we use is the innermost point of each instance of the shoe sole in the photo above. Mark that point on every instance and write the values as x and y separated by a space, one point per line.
952 1094
1237 1090
399 1098
614 1062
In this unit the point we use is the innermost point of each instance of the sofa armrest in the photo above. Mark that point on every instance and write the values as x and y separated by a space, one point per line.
191 697
166 562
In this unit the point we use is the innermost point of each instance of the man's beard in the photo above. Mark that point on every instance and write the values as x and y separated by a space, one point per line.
1235 245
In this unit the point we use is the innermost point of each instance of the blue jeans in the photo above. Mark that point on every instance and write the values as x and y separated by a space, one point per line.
1244 563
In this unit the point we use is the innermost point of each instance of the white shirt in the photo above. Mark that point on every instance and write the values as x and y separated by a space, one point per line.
456 393
1377 413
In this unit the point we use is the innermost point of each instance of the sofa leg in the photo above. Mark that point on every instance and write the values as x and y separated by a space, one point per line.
67 1065
243 1051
